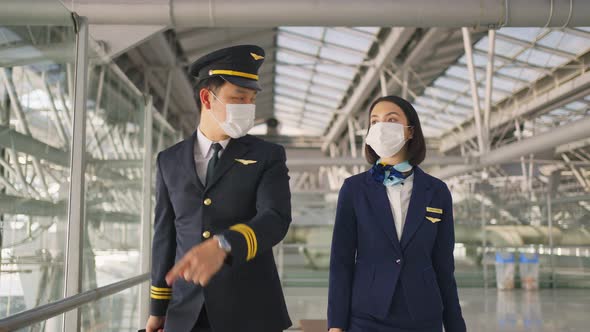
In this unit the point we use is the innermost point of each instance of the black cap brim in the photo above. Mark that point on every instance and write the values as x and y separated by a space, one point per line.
243 82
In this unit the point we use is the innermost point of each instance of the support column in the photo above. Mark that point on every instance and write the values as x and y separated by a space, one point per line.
383 83
406 83
146 214
352 138
473 82
74 240
489 87
165 109
4 120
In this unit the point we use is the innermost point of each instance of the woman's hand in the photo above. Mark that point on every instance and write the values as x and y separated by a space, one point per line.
335 330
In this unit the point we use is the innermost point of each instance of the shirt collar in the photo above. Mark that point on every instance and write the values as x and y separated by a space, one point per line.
410 178
409 181
205 143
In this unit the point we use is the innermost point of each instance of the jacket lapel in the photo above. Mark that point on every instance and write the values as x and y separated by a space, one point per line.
188 161
377 196
235 149
421 196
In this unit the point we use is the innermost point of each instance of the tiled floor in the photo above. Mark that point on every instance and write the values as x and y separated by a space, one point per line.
484 309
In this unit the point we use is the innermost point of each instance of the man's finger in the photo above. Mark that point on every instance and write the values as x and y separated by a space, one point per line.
204 279
176 271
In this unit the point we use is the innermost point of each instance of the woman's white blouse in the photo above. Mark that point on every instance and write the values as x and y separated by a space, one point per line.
399 199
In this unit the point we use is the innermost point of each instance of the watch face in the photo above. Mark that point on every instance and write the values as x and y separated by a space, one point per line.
224 244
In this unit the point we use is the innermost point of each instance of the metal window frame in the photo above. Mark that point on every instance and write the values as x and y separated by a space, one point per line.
74 238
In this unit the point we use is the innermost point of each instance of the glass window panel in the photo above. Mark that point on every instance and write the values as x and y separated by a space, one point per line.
560 111
347 72
319 109
327 93
458 71
456 112
288 107
496 94
114 133
33 217
331 81
323 101
289 130
528 34
565 42
371 30
505 84
502 47
313 32
464 100
290 58
320 118
542 59
285 41
426 102
348 40
434 92
290 92
576 105
117 312
289 82
480 61
288 116
522 73
313 123
451 84
431 132
340 56
8 36
294 71
279 98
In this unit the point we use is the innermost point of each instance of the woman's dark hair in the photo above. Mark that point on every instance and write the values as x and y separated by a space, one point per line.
416 146
214 84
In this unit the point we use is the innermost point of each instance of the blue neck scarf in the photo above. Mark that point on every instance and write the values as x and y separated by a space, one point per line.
390 175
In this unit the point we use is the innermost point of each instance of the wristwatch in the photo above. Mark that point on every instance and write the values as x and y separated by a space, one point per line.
223 243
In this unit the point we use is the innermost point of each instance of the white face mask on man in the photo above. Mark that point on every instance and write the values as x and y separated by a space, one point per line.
386 138
239 118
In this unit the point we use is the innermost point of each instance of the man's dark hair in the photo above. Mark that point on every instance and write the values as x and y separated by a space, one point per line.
416 145
214 84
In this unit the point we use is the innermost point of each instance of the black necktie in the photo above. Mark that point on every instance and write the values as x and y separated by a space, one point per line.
213 161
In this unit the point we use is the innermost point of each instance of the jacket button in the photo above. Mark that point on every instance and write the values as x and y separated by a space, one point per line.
398 261
206 234
207 201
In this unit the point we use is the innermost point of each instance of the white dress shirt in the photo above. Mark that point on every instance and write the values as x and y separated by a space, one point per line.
203 153
399 199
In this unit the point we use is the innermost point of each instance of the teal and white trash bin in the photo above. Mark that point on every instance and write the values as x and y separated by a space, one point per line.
505 268
529 271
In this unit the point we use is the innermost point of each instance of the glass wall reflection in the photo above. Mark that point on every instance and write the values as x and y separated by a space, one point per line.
114 176
36 80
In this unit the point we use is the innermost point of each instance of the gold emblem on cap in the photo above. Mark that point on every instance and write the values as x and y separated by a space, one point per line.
256 56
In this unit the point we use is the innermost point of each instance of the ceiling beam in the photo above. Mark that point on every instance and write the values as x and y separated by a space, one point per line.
523 104
388 51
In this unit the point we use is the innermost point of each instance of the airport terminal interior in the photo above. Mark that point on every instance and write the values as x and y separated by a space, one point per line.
91 91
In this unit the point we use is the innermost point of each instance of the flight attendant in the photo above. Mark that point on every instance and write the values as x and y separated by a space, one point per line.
392 265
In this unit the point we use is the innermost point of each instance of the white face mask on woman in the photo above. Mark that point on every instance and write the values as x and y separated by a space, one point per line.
386 138
239 118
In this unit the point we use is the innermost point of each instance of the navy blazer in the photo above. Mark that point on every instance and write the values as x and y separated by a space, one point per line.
250 187
367 259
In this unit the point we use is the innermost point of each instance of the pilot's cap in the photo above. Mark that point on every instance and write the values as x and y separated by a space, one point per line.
238 65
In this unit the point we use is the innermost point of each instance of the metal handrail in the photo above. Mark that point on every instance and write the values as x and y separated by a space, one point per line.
56 308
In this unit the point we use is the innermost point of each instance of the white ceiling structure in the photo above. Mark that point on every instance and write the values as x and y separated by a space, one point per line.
327 60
